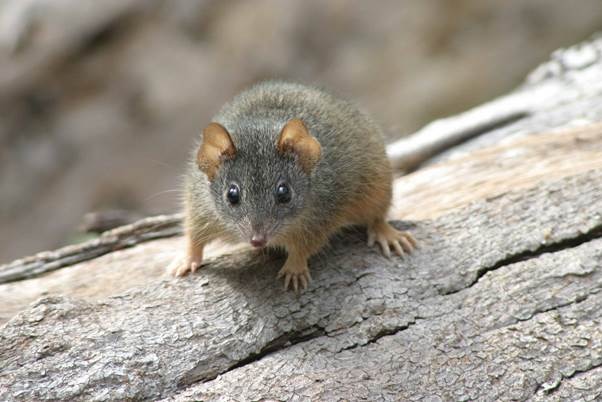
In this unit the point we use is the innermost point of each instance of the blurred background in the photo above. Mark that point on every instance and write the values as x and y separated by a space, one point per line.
101 100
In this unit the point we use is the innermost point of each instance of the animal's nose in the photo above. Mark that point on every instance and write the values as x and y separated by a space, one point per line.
258 240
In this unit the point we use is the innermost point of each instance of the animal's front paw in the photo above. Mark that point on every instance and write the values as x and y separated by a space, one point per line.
388 237
295 274
181 266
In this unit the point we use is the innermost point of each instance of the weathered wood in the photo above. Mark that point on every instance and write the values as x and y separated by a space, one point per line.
501 301
461 311
126 236
484 173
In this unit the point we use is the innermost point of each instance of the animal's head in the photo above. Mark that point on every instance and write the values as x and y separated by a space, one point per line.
259 189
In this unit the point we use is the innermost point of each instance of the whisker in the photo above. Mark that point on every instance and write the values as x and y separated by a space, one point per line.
162 193
161 163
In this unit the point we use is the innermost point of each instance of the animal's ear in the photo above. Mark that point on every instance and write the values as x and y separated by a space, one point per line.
216 146
296 139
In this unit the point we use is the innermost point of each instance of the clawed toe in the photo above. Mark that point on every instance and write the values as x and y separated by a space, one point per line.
182 266
189 262
194 266
177 267
371 238
384 246
407 241
389 238
297 279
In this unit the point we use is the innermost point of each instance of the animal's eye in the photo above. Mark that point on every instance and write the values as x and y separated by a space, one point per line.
233 194
283 193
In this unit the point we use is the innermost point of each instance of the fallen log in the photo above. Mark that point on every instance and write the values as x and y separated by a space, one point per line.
501 301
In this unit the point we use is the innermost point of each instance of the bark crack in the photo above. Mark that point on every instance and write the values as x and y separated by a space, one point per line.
550 387
313 332
283 341
593 234
381 334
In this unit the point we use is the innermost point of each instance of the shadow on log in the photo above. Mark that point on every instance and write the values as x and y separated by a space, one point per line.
501 301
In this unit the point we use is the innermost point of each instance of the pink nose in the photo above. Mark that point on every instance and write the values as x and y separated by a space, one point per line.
258 240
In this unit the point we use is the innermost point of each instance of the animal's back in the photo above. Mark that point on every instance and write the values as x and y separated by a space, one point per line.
353 155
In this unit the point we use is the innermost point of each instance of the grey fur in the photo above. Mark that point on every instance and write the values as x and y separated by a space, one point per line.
353 156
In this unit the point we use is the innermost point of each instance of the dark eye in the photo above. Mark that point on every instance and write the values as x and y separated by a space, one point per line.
233 194
283 193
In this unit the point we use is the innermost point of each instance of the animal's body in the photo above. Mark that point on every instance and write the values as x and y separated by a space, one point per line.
288 165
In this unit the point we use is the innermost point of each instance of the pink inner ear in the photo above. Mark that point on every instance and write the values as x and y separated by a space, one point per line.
295 138
216 146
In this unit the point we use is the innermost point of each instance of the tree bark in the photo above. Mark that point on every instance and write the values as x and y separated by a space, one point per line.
501 300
